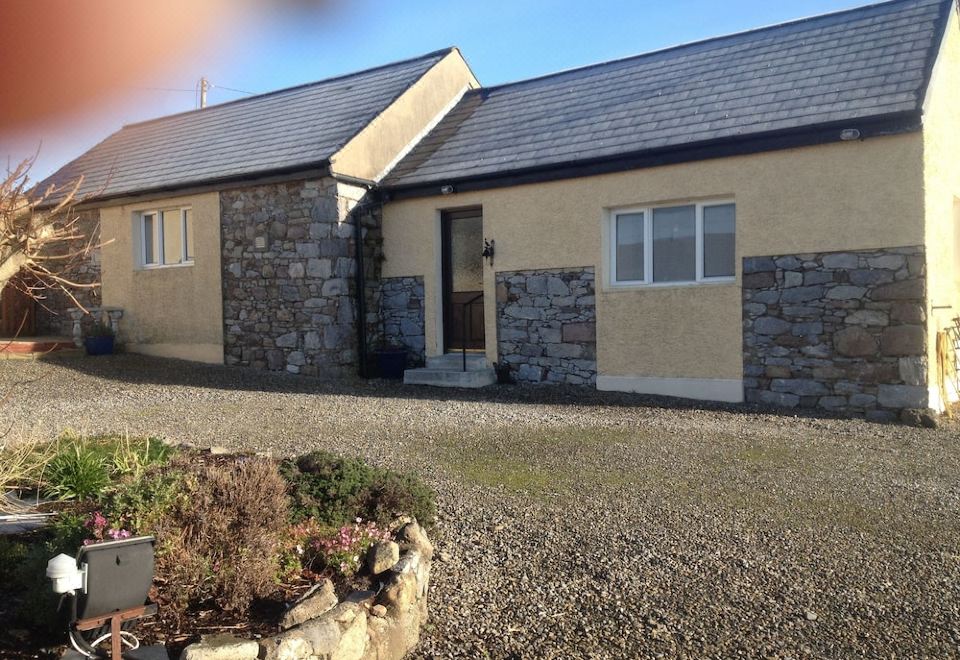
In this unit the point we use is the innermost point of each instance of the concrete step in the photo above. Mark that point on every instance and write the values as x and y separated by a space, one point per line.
454 361
450 377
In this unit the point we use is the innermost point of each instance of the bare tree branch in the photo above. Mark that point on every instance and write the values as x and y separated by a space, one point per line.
40 237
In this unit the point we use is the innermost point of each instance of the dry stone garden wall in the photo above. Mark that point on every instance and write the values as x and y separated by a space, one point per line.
547 325
366 625
402 312
289 265
842 331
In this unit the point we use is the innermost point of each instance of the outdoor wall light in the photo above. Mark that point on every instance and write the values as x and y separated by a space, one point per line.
849 134
446 190
488 250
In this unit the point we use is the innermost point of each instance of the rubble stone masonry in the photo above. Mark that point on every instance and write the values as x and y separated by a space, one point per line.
842 331
547 325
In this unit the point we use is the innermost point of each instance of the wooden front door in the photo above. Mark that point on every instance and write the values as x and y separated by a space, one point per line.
462 238
18 312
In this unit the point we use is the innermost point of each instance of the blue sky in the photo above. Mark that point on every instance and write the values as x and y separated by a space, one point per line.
502 40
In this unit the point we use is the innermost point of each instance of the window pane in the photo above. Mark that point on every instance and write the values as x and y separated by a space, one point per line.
629 247
719 224
188 233
149 239
675 244
172 237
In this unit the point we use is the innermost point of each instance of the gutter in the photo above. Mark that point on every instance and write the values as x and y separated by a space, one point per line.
868 127
360 280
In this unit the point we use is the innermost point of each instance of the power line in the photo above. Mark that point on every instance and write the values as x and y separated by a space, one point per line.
231 89
163 89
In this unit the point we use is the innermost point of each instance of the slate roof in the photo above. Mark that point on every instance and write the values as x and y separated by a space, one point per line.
867 62
296 127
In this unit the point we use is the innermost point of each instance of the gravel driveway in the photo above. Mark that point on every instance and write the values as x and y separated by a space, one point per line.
578 524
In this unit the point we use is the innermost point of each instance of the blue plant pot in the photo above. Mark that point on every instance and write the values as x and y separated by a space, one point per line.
99 345
391 363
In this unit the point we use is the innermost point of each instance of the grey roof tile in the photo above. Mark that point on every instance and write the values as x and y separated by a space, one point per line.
288 128
855 64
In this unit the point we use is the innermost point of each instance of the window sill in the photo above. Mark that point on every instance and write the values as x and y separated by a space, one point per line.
185 264
640 286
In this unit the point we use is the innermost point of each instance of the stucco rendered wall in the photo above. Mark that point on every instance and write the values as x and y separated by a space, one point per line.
941 168
174 311
389 135
843 196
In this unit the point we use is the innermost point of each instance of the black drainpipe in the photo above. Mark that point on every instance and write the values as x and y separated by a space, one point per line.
361 282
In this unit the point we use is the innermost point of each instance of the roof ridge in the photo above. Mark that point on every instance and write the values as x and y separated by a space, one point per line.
688 44
282 90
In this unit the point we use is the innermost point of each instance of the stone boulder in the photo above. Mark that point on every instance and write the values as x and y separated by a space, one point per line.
221 647
382 556
312 604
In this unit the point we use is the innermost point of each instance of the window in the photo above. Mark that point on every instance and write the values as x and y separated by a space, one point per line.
673 244
166 237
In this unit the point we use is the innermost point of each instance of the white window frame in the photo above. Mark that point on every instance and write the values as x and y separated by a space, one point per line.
647 211
184 238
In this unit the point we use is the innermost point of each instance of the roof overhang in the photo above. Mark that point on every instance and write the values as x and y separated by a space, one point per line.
868 127
308 170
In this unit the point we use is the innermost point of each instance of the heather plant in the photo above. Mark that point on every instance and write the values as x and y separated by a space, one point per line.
101 529
344 550
223 539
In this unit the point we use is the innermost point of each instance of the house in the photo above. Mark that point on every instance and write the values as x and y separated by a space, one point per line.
771 216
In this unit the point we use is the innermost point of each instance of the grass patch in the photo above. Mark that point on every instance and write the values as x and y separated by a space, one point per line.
532 460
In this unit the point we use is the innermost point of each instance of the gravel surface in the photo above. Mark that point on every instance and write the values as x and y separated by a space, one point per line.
578 524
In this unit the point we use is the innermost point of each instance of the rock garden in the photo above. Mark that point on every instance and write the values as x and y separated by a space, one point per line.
320 556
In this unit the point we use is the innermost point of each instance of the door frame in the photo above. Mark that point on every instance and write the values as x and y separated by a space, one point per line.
445 272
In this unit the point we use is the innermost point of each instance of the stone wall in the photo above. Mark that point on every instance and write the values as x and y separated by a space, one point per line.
53 310
367 625
547 325
402 311
841 331
288 277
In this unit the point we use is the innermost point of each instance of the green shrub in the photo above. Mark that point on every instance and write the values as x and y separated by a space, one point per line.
77 471
335 491
327 487
140 503
84 467
133 456
393 494
68 532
